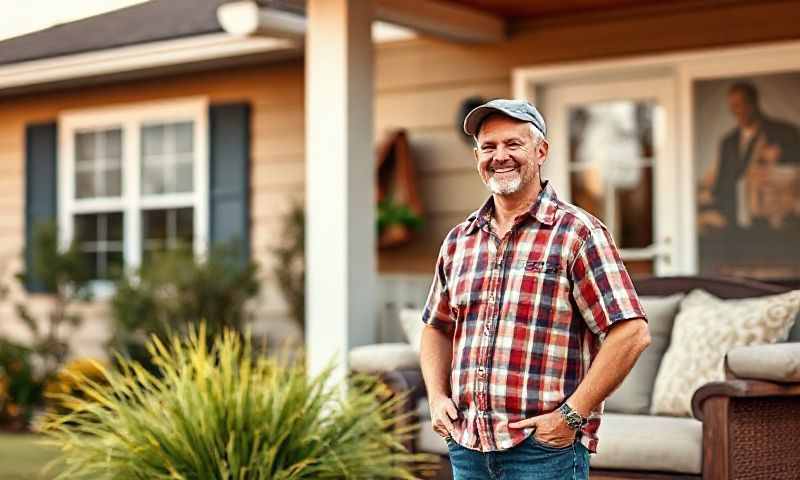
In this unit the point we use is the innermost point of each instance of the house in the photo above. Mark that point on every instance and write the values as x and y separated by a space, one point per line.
207 119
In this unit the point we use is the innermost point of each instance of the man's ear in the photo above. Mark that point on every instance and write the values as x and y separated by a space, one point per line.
541 151
477 161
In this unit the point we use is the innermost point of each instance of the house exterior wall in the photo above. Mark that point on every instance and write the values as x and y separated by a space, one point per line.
419 86
275 93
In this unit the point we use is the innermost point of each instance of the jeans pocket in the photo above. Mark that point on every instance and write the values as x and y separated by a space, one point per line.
545 446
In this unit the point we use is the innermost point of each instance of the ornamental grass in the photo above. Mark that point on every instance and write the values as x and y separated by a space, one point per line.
219 412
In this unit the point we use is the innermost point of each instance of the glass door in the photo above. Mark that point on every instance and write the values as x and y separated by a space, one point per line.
611 153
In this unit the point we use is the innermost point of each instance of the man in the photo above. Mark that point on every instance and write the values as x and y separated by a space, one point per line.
525 292
745 181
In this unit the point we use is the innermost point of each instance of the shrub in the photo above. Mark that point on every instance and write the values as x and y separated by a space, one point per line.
20 387
174 289
68 381
220 413
65 275
290 267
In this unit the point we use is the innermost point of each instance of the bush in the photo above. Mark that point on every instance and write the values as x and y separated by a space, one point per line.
20 387
218 413
290 263
65 275
68 383
174 290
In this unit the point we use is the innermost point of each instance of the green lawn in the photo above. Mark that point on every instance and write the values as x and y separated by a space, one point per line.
22 457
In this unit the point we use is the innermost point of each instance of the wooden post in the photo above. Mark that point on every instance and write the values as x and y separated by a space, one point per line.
340 177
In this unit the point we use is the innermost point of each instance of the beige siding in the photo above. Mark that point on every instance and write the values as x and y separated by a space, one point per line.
419 83
276 95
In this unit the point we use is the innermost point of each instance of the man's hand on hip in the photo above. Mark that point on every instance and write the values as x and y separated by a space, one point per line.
550 429
443 412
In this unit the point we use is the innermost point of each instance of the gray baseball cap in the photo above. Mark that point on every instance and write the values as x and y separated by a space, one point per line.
519 109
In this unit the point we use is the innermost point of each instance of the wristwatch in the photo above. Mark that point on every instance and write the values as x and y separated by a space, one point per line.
572 417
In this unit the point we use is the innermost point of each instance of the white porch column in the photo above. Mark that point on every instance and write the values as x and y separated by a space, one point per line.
340 171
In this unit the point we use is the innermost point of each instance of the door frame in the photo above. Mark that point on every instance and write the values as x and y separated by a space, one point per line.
683 69
665 219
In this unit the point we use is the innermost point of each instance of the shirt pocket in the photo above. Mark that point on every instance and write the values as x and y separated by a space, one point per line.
544 289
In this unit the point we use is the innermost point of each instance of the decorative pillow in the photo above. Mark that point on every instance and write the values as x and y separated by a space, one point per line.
411 321
705 329
794 333
634 394
382 357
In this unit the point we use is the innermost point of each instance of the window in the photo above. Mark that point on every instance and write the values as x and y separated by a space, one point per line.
132 182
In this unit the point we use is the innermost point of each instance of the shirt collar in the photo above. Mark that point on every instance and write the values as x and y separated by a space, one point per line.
543 209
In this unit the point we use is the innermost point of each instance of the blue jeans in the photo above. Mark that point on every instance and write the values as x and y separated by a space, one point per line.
529 460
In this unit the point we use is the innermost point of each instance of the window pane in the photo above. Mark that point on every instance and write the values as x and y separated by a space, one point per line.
98 163
84 147
99 237
166 229
113 144
84 184
113 183
184 138
152 179
153 140
185 224
184 176
167 158
611 167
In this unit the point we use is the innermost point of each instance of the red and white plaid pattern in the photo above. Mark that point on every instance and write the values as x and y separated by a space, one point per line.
527 313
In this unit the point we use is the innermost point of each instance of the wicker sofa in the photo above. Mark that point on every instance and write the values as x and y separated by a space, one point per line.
742 427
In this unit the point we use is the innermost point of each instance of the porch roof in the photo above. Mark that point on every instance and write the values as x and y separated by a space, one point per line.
141 23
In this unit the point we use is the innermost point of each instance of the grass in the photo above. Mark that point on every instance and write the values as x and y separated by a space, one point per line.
22 456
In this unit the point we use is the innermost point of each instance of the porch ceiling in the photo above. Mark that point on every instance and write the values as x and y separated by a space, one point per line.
521 11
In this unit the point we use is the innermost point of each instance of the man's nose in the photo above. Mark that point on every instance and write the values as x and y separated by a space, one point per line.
501 154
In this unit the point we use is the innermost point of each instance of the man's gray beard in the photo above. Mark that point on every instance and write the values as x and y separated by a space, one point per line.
505 188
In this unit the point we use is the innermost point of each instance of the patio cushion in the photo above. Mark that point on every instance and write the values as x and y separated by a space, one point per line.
706 328
411 321
635 392
382 357
429 441
779 362
629 442
649 442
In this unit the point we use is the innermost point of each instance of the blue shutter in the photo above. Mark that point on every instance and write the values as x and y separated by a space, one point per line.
40 189
229 176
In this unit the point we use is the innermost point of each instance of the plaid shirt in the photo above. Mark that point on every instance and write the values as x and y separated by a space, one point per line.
527 313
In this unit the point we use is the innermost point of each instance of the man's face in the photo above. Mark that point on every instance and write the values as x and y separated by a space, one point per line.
508 155
741 108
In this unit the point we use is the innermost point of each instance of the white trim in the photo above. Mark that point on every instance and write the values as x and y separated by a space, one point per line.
166 53
558 167
137 57
131 117
400 19
682 69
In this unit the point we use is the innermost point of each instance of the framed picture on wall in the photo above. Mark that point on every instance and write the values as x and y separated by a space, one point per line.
746 154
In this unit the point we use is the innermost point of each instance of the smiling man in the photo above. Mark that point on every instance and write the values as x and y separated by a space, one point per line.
532 319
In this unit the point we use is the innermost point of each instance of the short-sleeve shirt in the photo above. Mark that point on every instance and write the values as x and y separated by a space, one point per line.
527 314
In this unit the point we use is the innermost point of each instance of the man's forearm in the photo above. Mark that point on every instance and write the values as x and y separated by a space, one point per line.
613 362
435 358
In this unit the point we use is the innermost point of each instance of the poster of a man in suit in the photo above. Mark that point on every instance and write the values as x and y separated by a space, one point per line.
749 192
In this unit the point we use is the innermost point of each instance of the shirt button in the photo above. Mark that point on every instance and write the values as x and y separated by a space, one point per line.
481 371
491 298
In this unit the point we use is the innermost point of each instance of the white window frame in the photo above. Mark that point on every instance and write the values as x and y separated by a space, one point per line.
131 118
683 69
